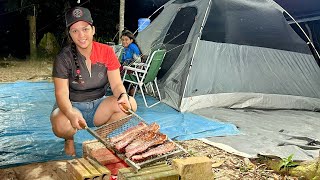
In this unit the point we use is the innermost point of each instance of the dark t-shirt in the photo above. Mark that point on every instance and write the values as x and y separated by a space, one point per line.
102 58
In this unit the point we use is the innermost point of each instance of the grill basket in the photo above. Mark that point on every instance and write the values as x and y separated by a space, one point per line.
115 128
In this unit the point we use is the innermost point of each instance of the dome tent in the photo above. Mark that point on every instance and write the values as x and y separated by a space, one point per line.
236 54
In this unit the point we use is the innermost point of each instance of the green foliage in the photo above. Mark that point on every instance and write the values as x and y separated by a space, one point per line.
287 163
192 153
104 40
24 6
50 17
48 46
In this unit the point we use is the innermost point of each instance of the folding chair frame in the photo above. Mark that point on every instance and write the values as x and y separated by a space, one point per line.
140 72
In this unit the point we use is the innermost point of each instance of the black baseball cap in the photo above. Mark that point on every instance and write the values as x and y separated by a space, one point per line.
78 14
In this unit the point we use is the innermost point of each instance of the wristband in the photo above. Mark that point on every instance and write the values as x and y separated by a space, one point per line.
121 96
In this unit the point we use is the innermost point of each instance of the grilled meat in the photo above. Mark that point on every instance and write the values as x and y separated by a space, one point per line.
158 139
129 131
161 149
148 136
146 133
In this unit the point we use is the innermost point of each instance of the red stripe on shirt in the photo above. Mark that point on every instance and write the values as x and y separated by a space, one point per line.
102 53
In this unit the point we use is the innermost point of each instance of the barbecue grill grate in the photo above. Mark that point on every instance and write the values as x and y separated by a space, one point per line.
115 128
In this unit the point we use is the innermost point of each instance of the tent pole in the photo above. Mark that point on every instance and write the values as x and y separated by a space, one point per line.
309 40
195 49
151 16
304 33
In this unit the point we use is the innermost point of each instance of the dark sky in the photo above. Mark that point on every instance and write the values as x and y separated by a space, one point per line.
14 27
136 9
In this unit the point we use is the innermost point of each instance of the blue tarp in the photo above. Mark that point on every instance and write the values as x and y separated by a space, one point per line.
26 135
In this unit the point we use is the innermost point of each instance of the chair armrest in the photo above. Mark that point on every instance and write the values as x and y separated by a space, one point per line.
134 69
139 64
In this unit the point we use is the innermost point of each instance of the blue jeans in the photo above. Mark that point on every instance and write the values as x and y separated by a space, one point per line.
88 109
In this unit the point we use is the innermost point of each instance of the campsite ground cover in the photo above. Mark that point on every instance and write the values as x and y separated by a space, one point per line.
225 165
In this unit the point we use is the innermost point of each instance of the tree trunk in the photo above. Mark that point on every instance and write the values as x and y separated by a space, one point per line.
121 18
32 37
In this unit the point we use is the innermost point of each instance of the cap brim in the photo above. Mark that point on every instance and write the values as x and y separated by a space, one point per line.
70 24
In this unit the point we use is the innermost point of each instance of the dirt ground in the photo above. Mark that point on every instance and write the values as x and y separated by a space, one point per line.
11 71
225 165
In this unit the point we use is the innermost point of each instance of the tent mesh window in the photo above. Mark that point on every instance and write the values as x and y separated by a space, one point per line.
176 37
245 24
312 28
182 1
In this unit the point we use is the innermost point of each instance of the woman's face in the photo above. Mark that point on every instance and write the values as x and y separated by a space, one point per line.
126 41
82 33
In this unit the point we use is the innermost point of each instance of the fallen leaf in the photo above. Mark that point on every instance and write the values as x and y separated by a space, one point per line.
218 164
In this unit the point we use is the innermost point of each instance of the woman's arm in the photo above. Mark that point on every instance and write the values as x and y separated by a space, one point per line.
64 104
118 89
62 95
116 82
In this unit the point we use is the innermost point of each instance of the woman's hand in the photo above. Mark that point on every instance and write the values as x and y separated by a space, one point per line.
76 118
124 102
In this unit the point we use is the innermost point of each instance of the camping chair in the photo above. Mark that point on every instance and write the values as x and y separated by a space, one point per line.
118 50
145 74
